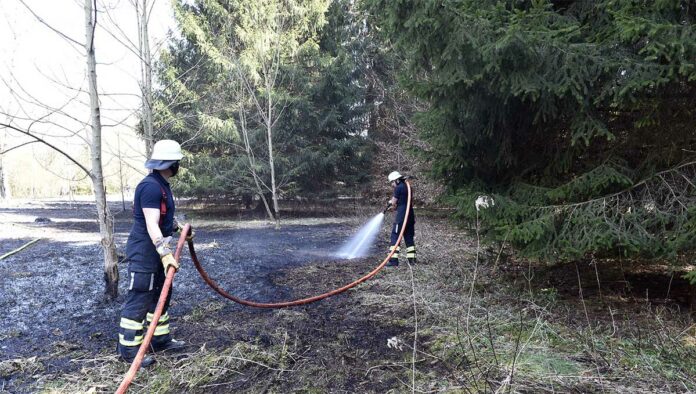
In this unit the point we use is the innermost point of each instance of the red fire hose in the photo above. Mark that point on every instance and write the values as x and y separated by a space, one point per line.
130 375
302 301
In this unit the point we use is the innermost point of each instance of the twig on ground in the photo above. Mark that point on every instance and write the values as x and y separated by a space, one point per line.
669 287
394 364
490 338
599 285
502 245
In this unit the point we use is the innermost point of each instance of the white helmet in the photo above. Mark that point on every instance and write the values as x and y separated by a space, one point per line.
394 176
164 154
166 150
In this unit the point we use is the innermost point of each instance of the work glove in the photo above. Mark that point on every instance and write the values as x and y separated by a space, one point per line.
165 253
191 233
169 260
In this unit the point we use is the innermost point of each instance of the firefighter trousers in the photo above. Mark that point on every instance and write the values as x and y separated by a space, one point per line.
143 293
409 234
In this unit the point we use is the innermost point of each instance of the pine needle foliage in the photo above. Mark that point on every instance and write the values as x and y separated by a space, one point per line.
213 97
578 116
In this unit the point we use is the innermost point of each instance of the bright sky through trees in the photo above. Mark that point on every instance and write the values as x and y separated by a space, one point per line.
40 65
35 55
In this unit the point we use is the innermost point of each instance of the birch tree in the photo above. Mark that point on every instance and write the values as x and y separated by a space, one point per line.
143 15
4 182
257 70
249 53
142 48
106 224
35 128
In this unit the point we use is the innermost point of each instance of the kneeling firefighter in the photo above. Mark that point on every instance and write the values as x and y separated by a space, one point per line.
398 202
149 255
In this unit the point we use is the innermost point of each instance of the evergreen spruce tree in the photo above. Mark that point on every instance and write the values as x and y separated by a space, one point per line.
577 116
211 96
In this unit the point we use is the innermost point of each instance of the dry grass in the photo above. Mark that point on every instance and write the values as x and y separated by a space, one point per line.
198 370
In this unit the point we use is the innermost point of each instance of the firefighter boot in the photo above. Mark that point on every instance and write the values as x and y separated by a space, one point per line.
128 353
394 260
164 343
163 340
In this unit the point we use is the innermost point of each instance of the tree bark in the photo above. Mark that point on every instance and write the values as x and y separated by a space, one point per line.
252 160
269 129
4 190
141 8
106 224
4 184
120 173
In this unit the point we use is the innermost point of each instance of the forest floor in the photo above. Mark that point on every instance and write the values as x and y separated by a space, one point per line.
457 321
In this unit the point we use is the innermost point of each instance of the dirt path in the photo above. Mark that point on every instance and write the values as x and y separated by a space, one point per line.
474 330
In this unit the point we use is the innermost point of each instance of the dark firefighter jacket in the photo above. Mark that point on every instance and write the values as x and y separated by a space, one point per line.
401 195
151 192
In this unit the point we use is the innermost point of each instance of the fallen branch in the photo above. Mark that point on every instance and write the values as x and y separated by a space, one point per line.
28 244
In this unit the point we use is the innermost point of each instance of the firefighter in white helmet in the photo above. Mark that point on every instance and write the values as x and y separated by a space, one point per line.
149 255
398 202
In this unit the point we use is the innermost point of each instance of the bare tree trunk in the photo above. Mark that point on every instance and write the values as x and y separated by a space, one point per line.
265 202
252 160
120 173
141 8
4 184
106 224
269 129
4 190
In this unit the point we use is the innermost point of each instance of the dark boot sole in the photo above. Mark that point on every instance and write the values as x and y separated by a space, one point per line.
174 348
145 363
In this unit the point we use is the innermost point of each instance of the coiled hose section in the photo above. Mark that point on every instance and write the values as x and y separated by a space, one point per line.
130 375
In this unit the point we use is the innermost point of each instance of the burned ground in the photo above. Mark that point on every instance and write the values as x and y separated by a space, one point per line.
477 328
53 289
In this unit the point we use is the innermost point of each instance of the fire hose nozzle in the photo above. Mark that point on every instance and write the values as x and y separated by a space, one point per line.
386 208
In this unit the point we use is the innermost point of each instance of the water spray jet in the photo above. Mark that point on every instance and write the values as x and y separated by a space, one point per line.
359 245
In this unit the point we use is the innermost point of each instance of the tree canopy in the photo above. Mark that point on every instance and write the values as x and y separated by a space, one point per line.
237 61
578 116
